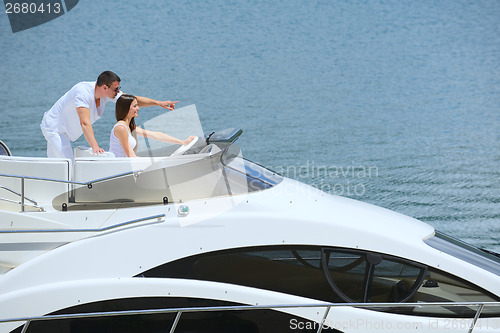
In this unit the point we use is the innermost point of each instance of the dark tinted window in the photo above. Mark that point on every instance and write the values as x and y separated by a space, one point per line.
333 275
295 271
360 276
347 274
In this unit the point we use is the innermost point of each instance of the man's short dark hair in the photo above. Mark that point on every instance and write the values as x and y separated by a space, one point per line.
107 78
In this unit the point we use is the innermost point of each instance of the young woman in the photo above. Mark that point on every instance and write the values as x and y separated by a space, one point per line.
122 140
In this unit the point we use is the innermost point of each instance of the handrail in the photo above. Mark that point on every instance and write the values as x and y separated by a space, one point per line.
20 203
179 311
158 216
89 184
18 194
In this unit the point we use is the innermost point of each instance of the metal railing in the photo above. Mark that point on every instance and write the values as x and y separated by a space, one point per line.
88 184
21 196
114 226
321 325
18 194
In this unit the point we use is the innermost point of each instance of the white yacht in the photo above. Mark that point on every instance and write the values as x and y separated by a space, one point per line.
204 240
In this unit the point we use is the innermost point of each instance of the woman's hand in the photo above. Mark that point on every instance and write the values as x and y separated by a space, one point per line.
188 140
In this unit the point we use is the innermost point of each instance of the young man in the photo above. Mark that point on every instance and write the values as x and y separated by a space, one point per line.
75 112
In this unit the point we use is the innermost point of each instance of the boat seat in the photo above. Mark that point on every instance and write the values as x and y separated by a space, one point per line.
42 191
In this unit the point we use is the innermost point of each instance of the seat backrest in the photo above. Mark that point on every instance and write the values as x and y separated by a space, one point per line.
42 191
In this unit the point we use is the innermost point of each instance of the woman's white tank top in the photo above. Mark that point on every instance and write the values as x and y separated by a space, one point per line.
114 143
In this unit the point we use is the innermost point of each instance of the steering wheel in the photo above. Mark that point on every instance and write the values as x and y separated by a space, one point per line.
182 149
4 150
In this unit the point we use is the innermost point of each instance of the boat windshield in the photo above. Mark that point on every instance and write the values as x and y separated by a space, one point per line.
180 124
466 252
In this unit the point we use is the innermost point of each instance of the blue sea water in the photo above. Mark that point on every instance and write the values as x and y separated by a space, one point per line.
396 103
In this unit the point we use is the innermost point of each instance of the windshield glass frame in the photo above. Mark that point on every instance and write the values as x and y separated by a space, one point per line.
464 251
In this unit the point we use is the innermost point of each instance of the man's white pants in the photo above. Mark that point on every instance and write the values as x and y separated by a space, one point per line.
58 145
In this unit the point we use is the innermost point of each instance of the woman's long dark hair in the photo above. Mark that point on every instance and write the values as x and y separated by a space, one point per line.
122 108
